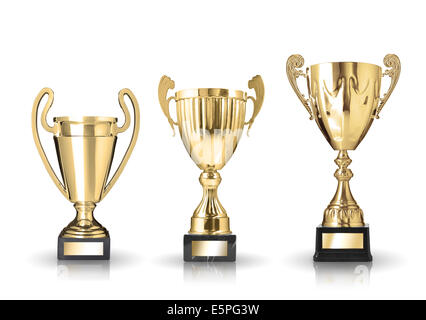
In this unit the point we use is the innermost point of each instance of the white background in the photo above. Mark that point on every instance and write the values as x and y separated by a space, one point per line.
276 186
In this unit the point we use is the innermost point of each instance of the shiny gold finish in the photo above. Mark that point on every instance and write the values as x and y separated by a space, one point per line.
210 217
83 248
85 149
344 99
216 248
296 61
391 61
343 241
343 211
210 122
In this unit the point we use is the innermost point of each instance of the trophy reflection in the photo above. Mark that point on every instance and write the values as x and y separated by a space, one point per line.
85 149
83 269
344 99
210 272
344 274
210 122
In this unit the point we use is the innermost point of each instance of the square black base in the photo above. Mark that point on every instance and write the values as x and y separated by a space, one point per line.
332 253
207 248
84 249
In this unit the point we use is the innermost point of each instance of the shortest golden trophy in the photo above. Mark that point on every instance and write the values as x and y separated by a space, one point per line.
344 99
85 149
211 122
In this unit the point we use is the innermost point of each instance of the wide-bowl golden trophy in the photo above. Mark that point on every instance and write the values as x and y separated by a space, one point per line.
85 149
210 122
344 99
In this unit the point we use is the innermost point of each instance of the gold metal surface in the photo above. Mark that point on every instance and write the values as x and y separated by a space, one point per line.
343 211
85 148
215 248
343 241
344 99
210 92
210 122
83 248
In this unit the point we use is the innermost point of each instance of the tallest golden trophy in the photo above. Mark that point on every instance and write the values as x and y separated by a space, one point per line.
210 122
344 99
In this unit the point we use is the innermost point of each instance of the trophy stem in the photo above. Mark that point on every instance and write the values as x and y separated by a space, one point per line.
85 211
84 225
343 211
210 217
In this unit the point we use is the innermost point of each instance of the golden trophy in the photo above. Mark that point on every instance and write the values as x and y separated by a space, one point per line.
210 122
344 99
85 149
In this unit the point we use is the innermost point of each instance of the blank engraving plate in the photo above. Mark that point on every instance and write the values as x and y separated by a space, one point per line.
83 248
209 248
343 241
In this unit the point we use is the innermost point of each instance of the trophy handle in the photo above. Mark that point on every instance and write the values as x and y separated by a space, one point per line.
165 85
293 62
48 128
391 61
124 127
256 83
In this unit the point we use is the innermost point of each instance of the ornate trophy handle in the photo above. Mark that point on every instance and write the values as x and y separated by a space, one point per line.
165 85
256 83
391 61
136 116
53 130
293 62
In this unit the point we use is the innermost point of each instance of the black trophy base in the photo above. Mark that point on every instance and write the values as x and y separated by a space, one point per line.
83 249
209 248
343 244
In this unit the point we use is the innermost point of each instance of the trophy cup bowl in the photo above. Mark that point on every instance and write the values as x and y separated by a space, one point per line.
210 122
85 149
344 99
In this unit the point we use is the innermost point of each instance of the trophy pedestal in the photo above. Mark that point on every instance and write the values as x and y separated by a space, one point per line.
208 248
343 244
83 249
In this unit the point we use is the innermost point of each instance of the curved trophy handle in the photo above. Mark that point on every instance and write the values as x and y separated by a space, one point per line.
293 62
48 128
256 83
136 115
391 61
165 85
123 107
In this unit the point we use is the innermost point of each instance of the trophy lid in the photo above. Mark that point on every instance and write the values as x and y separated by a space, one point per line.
85 119
211 92
88 126
334 63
